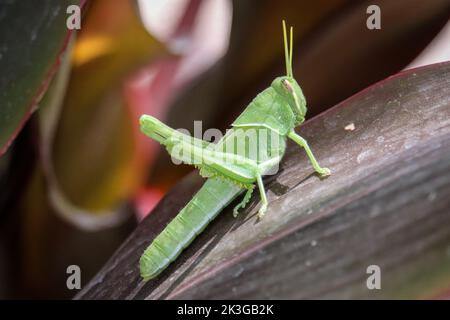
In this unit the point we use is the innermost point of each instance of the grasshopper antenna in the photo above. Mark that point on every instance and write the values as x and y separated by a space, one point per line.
288 51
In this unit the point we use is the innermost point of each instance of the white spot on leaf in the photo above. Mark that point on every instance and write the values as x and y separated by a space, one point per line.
350 127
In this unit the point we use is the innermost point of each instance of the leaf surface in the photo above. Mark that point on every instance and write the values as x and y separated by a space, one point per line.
386 203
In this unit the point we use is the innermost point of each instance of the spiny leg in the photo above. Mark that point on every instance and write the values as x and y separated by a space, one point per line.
303 143
262 192
243 203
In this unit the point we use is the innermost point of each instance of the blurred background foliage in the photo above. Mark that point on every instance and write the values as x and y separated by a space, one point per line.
80 176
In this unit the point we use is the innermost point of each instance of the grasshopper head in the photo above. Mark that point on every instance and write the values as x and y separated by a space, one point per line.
287 86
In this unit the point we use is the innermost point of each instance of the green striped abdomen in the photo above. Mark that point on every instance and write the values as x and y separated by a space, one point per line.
214 195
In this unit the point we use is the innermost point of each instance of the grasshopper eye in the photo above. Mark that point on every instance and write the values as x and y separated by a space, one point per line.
287 85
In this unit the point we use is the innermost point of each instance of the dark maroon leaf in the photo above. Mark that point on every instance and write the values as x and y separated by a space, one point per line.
386 203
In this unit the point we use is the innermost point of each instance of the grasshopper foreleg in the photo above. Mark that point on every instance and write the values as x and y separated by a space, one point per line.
303 143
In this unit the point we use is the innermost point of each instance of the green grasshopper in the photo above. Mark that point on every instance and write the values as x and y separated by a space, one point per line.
276 110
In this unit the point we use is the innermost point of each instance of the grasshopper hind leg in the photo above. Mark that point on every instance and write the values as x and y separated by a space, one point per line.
244 202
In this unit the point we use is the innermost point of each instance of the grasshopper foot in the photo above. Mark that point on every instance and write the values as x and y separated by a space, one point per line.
324 172
262 211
